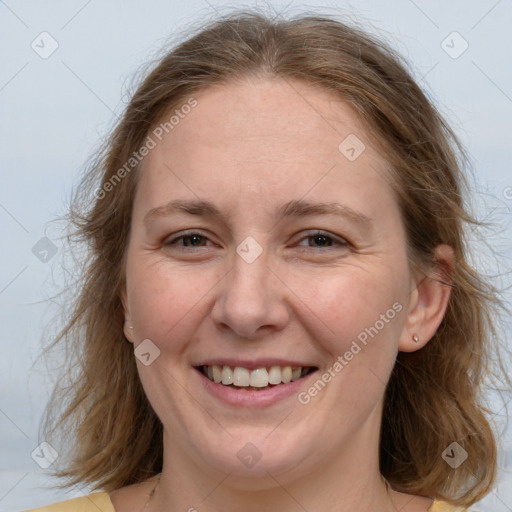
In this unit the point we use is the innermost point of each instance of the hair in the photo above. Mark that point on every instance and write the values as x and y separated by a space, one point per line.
434 395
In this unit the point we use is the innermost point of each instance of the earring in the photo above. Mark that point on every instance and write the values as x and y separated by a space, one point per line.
415 338
131 327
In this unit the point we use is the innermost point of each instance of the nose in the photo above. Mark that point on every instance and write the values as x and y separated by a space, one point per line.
251 300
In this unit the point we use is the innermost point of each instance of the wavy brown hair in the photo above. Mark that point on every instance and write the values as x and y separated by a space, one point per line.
434 396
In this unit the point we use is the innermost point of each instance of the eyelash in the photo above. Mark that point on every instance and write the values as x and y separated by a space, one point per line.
335 240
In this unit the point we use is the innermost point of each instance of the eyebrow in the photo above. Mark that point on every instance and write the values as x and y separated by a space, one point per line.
294 208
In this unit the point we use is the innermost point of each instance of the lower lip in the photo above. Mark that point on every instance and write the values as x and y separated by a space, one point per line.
245 398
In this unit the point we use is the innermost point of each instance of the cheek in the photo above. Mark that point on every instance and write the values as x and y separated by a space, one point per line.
166 303
356 318
353 305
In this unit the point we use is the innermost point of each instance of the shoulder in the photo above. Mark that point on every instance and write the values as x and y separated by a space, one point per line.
442 506
91 503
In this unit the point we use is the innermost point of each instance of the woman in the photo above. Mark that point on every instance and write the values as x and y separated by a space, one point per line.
277 312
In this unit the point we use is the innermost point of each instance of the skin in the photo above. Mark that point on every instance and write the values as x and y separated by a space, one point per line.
249 147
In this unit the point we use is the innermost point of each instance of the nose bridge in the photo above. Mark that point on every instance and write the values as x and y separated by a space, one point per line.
250 297
249 275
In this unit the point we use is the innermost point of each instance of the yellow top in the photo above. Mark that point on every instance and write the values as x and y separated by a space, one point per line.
100 502
96 502
442 506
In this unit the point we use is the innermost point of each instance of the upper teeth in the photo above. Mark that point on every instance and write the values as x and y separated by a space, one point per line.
258 378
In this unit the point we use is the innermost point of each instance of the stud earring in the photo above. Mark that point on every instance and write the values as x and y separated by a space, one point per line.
415 338
131 327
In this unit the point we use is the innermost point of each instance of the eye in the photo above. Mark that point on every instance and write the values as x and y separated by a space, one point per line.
315 240
192 239
324 240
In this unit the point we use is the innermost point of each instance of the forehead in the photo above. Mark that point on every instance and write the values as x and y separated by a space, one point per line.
269 137
262 113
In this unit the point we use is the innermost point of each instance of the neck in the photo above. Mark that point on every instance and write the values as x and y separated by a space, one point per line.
350 481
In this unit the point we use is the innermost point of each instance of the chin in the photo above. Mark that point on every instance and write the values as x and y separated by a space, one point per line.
252 464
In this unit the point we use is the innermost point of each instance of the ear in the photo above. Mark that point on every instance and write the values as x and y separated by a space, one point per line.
428 301
128 326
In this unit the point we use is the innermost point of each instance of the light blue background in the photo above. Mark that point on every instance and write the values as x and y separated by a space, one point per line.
55 111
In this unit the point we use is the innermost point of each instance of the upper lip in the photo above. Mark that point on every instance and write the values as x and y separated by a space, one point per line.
252 364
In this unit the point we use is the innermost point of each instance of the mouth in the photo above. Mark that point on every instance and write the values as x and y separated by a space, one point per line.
257 379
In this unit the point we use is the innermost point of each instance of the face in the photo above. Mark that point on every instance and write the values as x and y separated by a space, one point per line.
250 271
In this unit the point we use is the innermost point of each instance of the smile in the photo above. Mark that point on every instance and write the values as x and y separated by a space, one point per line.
256 379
